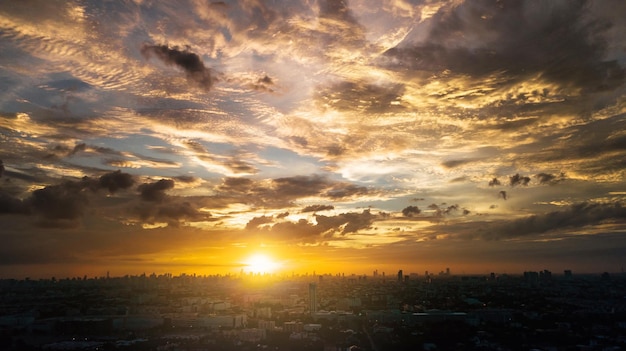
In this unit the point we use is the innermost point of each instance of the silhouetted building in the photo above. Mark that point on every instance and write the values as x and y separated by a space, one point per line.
567 273
400 276
531 277
312 298
545 275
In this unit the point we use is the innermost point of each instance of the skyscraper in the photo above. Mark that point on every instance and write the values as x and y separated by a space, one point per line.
400 277
312 298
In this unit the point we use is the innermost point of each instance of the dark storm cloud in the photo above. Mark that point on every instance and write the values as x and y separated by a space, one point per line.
300 231
346 223
597 144
455 163
443 210
10 204
155 192
65 201
172 213
316 208
186 179
547 178
596 147
188 61
78 148
300 186
116 180
556 40
494 182
517 179
257 221
411 211
324 228
502 194
1 168
574 216
61 205
346 190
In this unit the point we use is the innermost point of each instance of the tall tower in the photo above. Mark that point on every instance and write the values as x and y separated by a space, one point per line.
400 277
312 298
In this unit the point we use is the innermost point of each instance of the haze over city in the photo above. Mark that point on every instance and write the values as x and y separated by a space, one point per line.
311 136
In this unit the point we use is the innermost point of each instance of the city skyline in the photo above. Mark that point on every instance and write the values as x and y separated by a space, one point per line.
213 137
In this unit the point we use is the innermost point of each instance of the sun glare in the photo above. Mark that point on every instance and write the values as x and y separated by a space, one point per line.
260 263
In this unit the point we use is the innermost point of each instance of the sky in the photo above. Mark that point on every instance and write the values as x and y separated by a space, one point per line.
329 136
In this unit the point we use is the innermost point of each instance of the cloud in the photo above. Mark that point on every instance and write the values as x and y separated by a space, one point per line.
61 205
116 180
172 213
346 223
1 168
480 38
257 221
78 148
575 216
317 208
300 186
194 68
232 163
517 179
456 163
64 202
186 179
547 178
300 231
502 194
10 204
264 83
281 191
411 211
444 210
236 185
361 96
345 190
324 229
155 192
494 182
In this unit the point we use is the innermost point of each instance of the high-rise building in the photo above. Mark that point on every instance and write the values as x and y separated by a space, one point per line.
400 276
312 298
567 273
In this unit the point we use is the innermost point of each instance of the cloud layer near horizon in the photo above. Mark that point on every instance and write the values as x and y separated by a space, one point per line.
332 126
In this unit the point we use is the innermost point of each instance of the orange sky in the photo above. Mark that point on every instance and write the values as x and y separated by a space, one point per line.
333 136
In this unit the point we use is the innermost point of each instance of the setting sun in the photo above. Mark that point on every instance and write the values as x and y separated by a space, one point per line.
260 263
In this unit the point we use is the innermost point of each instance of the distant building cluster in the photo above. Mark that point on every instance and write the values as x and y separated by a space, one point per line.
316 312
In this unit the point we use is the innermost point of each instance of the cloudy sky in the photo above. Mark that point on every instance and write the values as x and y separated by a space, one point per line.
336 136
